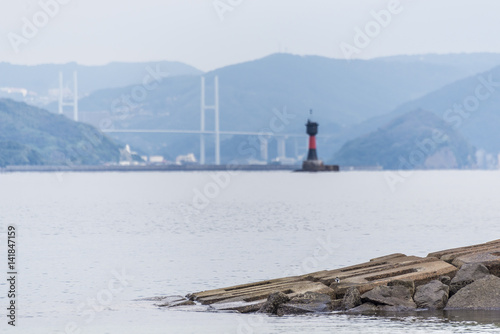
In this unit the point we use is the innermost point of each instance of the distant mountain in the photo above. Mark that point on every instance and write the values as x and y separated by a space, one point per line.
341 92
40 79
33 136
470 63
418 139
471 105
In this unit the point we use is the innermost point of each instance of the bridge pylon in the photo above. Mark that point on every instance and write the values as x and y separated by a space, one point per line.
74 94
205 107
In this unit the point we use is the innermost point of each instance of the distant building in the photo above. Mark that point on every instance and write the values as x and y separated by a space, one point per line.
129 157
12 90
185 159
284 161
255 162
156 159
485 160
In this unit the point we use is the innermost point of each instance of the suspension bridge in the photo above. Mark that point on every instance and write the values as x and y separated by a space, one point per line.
263 136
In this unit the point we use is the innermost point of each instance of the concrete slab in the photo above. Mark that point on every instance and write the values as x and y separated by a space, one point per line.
250 297
487 254
381 271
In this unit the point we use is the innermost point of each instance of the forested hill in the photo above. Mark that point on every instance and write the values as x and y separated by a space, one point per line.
33 136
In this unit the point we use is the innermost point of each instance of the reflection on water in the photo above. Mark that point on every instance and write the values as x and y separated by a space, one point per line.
483 317
479 317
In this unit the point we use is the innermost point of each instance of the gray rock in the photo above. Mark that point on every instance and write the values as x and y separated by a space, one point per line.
352 299
406 283
311 297
483 294
273 302
336 305
309 302
289 309
467 274
445 280
370 308
433 295
390 295
366 307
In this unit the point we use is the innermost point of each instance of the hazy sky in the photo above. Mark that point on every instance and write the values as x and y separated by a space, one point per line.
195 32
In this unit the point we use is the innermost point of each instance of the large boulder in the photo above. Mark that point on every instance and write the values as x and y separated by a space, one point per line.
482 294
398 296
467 274
489 257
406 283
433 295
352 299
365 308
309 302
336 305
273 302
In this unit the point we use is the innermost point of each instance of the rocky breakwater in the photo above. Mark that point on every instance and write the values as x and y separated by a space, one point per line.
461 278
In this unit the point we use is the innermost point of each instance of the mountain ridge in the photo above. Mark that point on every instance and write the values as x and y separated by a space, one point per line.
415 140
478 122
33 136
39 80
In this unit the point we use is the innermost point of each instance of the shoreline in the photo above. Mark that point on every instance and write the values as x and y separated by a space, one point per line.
149 168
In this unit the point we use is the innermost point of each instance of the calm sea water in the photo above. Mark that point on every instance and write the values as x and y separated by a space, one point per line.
90 244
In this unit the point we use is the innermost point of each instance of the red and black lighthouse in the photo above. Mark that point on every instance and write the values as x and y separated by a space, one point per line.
313 164
312 131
